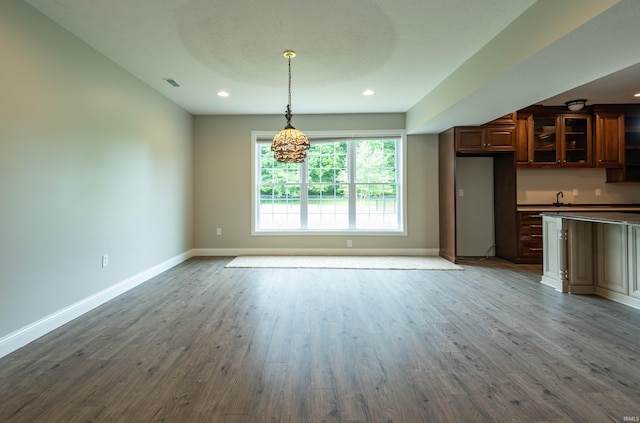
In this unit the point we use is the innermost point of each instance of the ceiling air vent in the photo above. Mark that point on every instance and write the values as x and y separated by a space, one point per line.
172 82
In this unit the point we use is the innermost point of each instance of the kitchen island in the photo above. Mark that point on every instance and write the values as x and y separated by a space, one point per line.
593 253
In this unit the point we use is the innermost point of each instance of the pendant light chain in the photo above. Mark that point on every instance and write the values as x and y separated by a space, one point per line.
289 115
289 81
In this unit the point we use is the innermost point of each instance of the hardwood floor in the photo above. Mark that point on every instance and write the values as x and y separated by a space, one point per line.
201 343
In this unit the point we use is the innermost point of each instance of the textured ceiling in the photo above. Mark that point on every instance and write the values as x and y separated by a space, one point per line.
444 62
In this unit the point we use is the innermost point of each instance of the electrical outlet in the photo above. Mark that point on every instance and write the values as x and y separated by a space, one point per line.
105 260
575 192
218 231
460 192
598 192
349 243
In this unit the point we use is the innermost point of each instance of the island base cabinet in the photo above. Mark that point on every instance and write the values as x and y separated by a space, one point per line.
634 261
567 262
587 257
580 244
611 257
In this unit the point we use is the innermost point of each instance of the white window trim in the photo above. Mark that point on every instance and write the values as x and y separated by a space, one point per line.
402 201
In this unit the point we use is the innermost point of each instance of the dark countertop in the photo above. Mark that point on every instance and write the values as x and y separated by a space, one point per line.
579 208
599 217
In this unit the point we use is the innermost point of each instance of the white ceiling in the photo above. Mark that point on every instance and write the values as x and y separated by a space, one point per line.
444 62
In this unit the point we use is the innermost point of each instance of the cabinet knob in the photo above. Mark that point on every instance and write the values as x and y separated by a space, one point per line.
558 161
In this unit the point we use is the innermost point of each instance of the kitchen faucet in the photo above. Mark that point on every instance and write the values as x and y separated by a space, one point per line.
559 194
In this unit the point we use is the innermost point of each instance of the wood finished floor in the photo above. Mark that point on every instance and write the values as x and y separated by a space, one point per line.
201 343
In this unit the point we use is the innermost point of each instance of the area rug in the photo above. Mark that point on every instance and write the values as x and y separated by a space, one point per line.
346 262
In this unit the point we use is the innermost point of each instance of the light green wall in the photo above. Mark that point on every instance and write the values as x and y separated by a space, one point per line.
222 184
92 161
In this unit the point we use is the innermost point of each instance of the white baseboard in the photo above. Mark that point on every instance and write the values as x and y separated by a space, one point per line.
620 298
35 330
234 252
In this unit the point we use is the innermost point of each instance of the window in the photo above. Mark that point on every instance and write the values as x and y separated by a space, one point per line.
349 182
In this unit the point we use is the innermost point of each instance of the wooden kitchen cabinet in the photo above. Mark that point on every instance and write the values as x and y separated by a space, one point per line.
632 147
543 146
524 132
508 119
550 138
529 237
627 133
609 139
483 139
576 140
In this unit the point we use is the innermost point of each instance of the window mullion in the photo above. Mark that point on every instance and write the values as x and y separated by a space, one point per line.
304 194
399 184
351 172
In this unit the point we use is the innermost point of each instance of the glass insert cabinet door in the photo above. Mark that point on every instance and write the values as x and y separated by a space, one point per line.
562 140
632 147
576 140
545 140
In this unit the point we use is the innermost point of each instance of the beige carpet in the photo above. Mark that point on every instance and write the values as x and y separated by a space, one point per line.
346 262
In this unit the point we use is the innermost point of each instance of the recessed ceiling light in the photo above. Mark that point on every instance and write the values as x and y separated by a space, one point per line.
223 94
368 92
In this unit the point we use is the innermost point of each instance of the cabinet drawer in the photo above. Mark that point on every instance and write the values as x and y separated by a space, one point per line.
529 237
532 230
530 225
530 217
530 248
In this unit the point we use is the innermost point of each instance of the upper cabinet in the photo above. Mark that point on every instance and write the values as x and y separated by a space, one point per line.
484 139
547 137
618 136
576 140
609 139
495 136
632 147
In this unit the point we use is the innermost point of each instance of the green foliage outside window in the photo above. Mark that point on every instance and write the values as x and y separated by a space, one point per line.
328 173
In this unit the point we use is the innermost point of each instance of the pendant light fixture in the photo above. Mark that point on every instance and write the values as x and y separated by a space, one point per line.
290 145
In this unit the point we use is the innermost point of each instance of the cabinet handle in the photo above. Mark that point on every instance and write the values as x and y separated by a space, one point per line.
535 215
535 226
535 236
535 249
